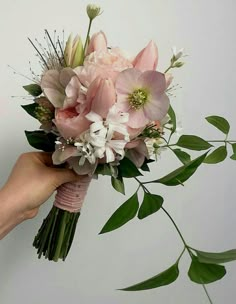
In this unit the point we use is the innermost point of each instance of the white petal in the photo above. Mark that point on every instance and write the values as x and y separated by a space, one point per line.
92 116
110 157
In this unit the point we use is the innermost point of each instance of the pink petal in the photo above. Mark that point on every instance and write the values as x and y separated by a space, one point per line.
72 127
154 82
157 109
87 168
52 88
55 97
98 42
105 98
169 78
60 156
65 76
147 59
137 118
127 81
72 92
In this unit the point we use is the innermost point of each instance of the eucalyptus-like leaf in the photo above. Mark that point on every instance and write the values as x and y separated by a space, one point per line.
172 115
193 142
30 109
180 175
183 156
233 156
126 212
41 140
128 169
33 89
118 184
216 257
151 204
162 279
217 156
202 273
220 123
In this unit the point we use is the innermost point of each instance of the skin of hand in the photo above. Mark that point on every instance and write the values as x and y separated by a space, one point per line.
31 182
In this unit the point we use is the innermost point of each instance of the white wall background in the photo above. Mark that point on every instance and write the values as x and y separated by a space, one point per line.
204 208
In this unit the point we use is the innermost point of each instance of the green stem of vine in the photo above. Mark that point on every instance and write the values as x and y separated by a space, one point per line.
179 232
207 294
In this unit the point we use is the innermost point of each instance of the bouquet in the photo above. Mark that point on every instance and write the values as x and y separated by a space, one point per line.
103 112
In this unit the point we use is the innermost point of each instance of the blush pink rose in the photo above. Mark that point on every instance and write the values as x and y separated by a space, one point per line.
70 123
104 64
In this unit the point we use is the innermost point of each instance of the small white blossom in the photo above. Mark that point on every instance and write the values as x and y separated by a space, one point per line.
177 53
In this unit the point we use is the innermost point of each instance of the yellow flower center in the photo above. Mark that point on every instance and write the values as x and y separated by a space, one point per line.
138 98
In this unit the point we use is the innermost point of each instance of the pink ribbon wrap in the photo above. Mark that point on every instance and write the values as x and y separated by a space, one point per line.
70 196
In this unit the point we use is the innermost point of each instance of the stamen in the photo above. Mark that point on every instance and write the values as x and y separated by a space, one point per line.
138 98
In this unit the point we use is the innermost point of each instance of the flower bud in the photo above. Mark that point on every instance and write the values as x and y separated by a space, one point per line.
73 53
178 64
93 11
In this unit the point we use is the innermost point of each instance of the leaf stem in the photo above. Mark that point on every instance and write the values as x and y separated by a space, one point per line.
225 141
207 294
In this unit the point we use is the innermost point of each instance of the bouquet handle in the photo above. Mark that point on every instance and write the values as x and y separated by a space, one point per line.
55 236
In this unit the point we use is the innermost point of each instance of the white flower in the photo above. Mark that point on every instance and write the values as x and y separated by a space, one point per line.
153 146
102 133
177 54
85 149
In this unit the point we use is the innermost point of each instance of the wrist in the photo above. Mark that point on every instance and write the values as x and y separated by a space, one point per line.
10 214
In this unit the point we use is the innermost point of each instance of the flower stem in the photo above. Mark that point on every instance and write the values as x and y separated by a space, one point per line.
170 67
87 37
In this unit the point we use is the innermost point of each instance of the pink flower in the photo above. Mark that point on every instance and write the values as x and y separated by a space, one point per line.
98 42
137 152
102 96
169 78
70 123
142 95
53 84
104 64
147 59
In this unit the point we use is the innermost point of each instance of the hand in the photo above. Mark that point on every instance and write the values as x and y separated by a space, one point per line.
32 181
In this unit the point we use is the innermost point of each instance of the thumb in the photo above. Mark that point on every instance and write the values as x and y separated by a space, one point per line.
63 176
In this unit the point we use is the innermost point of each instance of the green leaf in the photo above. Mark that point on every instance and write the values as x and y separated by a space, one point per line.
233 157
151 204
41 140
180 175
118 184
193 142
172 115
220 123
217 156
202 273
33 89
216 257
182 156
30 109
126 212
145 166
164 278
128 169
104 169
